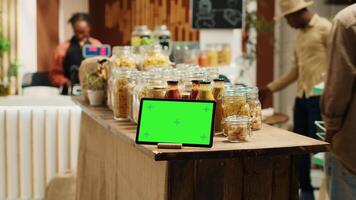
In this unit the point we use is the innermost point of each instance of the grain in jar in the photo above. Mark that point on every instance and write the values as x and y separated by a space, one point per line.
218 91
255 108
155 58
121 95
123 57
238 128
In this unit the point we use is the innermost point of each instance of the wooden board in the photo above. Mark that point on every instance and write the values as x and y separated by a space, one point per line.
114 20
268 141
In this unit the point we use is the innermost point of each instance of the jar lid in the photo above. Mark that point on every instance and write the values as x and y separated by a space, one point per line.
204 82
218 80
172 82
238 119
196 81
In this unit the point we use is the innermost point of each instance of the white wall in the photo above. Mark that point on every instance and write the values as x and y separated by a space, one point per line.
27 35
284 100
66 9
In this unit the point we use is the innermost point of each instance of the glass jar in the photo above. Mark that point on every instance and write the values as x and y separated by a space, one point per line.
172 90
145 89
234 102
133 80
212 55
162 36
203 60
205 92
237 128
120 94
123 57
255 108
155 58
141 35
218 91
158 92
195 89
225 55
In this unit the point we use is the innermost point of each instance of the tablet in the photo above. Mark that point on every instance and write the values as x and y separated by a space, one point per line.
186 122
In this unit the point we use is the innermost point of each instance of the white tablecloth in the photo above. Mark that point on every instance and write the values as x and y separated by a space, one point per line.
38 139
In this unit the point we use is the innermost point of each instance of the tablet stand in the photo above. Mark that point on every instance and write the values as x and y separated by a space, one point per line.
169 146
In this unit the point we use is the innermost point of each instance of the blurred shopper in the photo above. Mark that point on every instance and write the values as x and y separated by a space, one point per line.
68 55
309 66
338 106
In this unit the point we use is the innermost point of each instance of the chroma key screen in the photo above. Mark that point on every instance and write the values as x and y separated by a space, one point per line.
176 121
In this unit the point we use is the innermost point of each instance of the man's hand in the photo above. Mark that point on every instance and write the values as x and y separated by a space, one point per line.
264 93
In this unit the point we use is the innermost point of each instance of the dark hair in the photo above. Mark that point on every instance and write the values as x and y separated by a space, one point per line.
79 17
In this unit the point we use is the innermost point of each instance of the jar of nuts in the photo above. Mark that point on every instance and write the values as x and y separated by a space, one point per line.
255 108
237 128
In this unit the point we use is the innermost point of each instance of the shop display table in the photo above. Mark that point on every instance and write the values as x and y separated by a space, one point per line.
112 166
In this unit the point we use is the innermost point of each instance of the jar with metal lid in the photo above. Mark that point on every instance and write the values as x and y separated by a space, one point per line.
155 58
234 102
123 57
237 128
162 36
141 35
195 89
120 95
205 92
172 90
145 89
255 108
218 92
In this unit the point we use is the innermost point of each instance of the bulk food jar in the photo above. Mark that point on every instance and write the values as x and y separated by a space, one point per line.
146 88
155 58
172 90
123 57
218 92
162 36
205 92
141 35
255 108
234 103
121 93
238 128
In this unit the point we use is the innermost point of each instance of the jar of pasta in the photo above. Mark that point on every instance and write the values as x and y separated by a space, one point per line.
255 108
238 128
225 55
123 57
120 95
155 58
234 103
218 91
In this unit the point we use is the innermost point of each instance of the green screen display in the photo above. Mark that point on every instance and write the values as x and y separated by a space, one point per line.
174 121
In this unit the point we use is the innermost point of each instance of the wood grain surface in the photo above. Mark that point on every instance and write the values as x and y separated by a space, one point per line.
268 141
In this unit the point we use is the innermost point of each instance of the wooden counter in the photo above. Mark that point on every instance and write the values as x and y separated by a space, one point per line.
112 166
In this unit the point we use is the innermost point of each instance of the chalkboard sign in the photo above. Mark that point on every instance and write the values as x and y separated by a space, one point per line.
217 13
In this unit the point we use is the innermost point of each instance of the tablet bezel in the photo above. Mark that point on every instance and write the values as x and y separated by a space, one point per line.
178 100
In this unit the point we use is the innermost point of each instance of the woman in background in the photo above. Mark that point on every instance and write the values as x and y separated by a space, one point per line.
68 55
